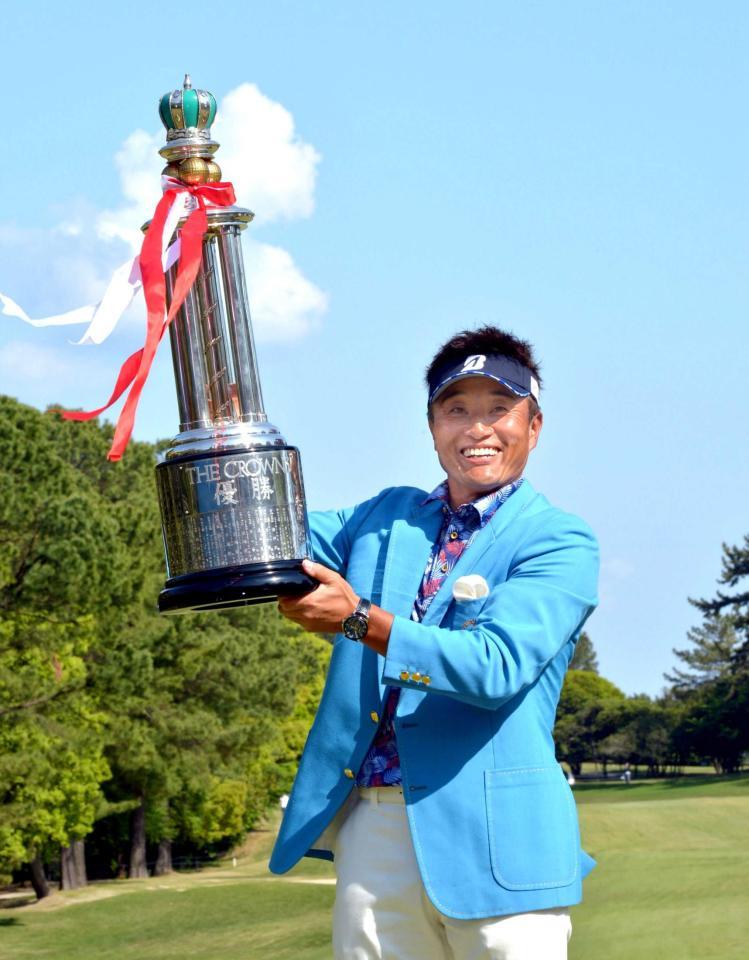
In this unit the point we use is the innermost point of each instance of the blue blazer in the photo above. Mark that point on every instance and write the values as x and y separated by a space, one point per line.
492 818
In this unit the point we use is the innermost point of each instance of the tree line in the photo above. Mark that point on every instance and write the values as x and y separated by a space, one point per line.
125 736
702 716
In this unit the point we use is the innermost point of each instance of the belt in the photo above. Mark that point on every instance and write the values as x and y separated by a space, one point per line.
382 794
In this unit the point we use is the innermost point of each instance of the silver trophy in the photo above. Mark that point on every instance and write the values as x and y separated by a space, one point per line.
230 487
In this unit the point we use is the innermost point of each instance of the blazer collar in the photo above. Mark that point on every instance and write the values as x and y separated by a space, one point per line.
469 559
411 541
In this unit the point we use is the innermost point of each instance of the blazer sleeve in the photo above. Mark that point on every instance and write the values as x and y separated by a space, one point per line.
333 531
549 593
330 542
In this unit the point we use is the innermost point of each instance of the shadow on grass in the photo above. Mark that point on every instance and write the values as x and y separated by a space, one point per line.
22 900
694 784
10 922
706 779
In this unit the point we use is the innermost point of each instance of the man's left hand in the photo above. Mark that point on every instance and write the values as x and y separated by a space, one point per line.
324 609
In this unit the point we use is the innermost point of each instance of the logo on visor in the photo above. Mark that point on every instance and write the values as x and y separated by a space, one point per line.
476 362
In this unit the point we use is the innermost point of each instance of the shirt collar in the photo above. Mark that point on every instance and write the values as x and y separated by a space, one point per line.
485 506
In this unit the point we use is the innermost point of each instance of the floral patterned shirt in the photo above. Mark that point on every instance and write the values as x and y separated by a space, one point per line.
381 766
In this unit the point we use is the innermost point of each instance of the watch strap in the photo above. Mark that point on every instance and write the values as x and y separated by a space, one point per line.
355 626
363 607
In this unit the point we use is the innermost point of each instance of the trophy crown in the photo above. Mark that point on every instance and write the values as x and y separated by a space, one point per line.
187 115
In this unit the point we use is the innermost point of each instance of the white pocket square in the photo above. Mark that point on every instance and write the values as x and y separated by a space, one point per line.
470 587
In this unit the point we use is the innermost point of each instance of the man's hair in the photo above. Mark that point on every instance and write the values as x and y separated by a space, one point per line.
489 340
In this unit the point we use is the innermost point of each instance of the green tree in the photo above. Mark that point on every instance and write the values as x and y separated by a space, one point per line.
589 711
194 701
106 707
584 657
643 734
714 690
735 568
60 564
715 725
711 656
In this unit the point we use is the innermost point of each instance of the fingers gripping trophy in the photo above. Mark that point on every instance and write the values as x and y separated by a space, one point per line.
230 487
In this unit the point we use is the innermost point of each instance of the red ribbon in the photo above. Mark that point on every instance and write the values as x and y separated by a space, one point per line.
134 371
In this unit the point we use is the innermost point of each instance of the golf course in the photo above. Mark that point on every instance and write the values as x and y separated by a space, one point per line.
672 883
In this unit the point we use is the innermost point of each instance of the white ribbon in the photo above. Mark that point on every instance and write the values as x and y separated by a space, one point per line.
124 284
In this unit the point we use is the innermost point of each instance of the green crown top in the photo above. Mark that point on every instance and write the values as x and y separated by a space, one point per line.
187 108
187 115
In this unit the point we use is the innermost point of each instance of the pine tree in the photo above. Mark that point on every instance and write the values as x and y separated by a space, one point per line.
735 564
584 657
59 556
711 655
715 688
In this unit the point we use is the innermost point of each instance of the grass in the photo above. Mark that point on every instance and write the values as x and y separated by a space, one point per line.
672 883
673 870
691 787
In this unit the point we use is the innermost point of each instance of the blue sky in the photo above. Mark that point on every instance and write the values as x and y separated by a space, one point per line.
574 172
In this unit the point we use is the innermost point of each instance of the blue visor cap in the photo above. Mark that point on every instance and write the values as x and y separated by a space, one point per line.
511 374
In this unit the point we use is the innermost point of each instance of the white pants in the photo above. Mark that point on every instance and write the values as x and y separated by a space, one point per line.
382 911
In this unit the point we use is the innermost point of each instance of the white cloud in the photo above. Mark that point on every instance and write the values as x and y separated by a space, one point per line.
72 263
615 571
21 361
273 171
139 165
284 304
70 228
617 568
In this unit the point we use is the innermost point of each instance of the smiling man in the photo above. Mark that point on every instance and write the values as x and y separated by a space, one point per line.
429 774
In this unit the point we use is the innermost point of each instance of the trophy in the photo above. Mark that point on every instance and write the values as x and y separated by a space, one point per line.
230 487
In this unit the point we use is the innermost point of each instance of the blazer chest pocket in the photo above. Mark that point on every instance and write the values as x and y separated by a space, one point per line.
533 833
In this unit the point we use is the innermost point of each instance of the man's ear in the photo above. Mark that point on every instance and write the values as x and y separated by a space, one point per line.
534 429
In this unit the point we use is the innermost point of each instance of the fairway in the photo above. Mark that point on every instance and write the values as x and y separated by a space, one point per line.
672 880
671 884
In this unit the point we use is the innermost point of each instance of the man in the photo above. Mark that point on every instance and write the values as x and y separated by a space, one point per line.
429 773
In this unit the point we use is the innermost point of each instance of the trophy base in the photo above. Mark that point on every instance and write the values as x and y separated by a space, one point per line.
235 586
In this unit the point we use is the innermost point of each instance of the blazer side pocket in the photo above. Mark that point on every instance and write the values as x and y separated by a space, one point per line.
533 832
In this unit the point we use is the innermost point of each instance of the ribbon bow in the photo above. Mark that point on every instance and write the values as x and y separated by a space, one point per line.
134 371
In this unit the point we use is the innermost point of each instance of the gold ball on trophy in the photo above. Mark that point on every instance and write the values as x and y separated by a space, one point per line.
171 170
193 170
214 171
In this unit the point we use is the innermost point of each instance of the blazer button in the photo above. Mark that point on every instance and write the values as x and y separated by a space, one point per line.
405 675
425 679
416 677
349 773
374 716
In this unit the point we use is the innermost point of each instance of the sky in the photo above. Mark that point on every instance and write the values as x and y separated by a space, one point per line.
575 173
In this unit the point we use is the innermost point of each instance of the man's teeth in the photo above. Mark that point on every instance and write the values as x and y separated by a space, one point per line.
479 452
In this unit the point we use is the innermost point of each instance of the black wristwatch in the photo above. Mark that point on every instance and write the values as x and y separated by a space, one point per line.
355 627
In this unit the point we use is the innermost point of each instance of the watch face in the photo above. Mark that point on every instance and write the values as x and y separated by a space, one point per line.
355 627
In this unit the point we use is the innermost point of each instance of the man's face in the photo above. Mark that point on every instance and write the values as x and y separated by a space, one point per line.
483 434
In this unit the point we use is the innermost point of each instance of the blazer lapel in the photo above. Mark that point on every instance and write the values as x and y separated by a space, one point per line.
470 558
411 541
